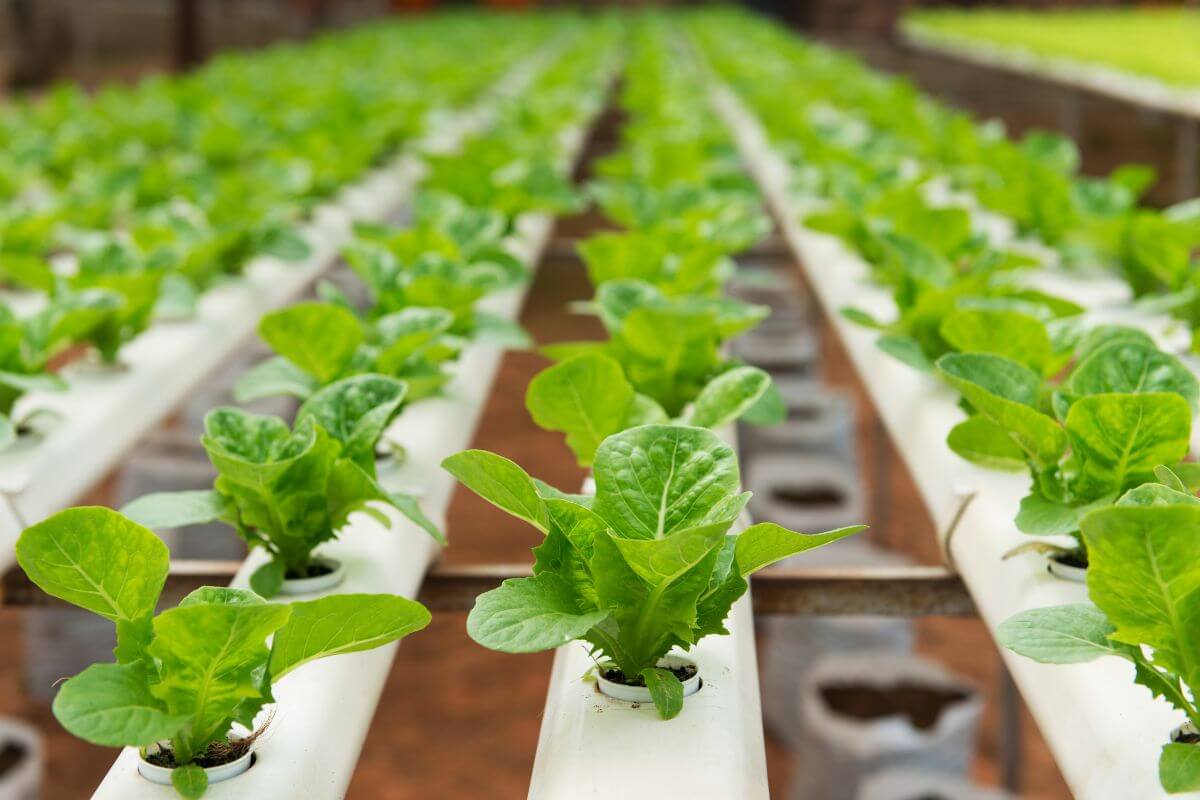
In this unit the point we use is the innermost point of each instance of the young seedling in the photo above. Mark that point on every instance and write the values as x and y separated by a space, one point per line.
588 398
287 490
1144 579
184 678
644 566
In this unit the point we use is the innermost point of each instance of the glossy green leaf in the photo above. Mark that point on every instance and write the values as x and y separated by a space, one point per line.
1011 334
981 441
764 543
111 705
586 397
501 482
1006 393
1133 368
657 479
96 559
528 615
1069 634
1179 768
213 658
343 623
1121 438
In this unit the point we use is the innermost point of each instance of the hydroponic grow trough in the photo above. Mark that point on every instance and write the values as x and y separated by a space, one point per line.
105 413
320 725
1105 732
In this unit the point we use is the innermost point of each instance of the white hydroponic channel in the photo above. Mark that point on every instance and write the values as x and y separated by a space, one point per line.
1104 731
323 712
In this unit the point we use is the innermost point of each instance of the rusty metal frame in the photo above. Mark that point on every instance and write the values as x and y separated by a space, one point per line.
907 591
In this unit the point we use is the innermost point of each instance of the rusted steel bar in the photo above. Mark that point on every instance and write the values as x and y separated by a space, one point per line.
876 591
907 591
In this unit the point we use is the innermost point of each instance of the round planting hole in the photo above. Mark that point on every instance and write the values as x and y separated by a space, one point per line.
922 705
818 495
11 755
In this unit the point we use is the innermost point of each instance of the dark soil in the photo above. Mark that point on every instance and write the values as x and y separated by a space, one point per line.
314 570
809 495
218 753
803 413
922 705
1183 738
10 756
1072 559
617 676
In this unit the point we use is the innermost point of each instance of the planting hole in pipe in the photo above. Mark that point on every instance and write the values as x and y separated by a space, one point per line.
1187 733
1067 567
809 495
324 573
923 705
220 762
11 755
613 683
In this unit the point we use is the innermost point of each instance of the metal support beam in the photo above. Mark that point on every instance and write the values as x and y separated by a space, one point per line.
868 591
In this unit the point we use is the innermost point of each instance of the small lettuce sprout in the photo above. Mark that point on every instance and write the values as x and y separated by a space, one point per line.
187 676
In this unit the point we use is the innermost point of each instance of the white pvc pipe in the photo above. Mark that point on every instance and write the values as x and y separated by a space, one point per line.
105 413
323 712
592 746
1105 732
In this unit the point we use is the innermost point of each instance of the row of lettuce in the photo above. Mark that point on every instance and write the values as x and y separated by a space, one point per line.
1098 415
122 207
653 559
189 682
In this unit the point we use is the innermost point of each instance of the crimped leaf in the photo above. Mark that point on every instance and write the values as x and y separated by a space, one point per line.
657 479
213 657
1121 438
1144 574
177 509
764 543
665 690
355 411
728 396
320 338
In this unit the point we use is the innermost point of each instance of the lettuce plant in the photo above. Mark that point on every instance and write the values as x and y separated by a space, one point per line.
287 490
1143 578
189 676
320 343
1123 408
411 270
588 398
646 565
669 348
